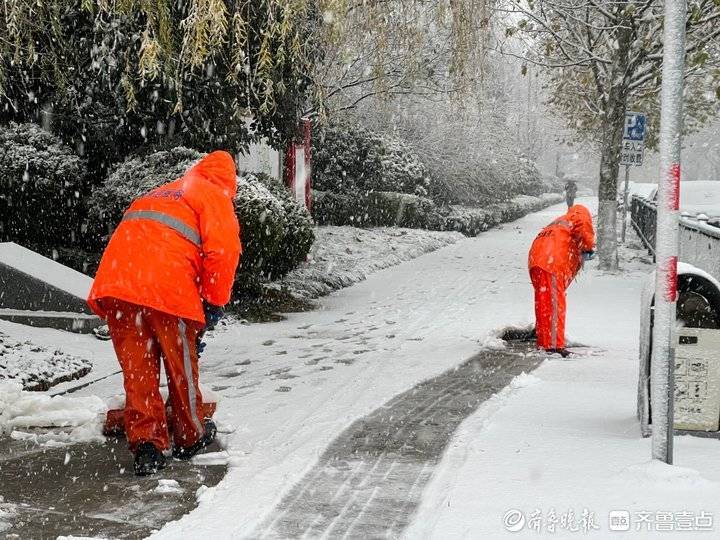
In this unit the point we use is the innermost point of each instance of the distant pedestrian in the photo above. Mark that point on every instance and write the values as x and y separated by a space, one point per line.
556 256
570 192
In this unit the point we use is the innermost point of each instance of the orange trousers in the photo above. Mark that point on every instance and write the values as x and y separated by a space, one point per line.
550 307
141 337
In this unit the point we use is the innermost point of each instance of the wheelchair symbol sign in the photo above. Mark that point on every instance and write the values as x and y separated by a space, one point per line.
634 126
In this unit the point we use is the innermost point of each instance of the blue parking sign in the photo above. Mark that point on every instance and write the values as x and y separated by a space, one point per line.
634 126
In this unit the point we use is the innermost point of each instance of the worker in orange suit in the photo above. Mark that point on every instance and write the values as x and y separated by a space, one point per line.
556 256
166 273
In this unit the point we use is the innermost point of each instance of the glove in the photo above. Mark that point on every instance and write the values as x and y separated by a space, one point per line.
588 255
213 314
200 344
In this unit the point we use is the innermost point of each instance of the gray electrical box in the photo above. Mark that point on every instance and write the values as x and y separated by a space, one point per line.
697 380
697 354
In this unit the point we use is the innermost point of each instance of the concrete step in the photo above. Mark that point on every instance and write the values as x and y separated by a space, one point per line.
80 323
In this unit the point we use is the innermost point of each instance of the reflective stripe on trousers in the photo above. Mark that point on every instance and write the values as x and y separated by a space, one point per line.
554 324
192 392
185 230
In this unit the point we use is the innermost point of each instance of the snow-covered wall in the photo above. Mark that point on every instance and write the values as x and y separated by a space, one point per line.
30 281
700 246
699 242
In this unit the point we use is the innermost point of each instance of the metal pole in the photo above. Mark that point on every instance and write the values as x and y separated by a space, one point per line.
662 385
625 201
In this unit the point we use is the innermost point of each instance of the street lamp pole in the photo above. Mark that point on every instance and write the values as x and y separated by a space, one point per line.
667 238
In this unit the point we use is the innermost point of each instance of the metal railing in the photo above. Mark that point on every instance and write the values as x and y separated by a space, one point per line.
643 216
699 242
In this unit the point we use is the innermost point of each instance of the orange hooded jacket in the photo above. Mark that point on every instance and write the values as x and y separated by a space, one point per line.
176 245
558 248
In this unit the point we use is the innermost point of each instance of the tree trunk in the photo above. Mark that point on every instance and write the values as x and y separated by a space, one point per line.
612 126
607 192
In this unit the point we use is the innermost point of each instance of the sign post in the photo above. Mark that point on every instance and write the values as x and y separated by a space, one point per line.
662 366
631 153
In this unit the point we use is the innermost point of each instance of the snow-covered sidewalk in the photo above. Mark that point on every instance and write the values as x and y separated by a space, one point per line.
286 390
564 457
290 388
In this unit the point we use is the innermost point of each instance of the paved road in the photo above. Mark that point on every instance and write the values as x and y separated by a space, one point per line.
90 490
369 481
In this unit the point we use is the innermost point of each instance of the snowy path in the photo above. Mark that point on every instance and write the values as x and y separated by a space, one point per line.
368 483
289 389
557 458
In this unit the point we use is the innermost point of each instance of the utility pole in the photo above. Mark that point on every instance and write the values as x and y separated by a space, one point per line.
662 373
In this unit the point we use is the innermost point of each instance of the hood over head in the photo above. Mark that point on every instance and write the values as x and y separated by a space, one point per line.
581 221
578 214
219 168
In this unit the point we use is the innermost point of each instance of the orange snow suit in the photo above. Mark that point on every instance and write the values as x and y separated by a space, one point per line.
554 260
176 246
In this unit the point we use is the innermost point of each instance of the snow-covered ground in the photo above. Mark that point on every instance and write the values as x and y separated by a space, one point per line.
564 438
35 367
343 256
564 457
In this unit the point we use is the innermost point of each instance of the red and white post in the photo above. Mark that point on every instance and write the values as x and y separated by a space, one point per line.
662 376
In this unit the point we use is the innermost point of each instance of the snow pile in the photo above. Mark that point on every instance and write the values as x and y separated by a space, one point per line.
655 474
168 487
6 514
524 380
493 342
75 419
343 256
38 368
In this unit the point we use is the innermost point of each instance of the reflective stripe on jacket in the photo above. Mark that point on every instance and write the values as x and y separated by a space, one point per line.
176 245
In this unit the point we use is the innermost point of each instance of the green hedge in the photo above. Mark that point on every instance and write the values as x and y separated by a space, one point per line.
41 187
376 209
348 159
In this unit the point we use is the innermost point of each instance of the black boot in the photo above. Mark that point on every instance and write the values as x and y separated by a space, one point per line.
562 352
187 452
148 459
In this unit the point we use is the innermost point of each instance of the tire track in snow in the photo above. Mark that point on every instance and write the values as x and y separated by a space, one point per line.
369 481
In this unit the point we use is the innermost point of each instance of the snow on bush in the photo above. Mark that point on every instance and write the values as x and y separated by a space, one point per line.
276 232
132 178
377 209
343 256
472 220
298 235
37 368
403 210
364 178
486 179
387 209
262 221
41 181
348 159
